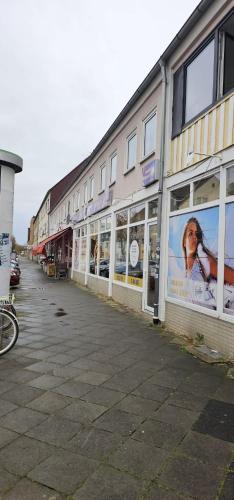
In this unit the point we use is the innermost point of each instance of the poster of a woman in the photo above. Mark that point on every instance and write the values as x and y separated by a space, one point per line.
193 257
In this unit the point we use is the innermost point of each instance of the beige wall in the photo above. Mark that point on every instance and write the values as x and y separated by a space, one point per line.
128 297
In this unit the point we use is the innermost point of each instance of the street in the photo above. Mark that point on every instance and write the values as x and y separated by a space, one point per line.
98 404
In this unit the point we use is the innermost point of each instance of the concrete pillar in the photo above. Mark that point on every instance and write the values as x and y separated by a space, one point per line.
9 165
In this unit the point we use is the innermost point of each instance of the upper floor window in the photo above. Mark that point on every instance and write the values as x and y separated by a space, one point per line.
132 151
77 206
113 169
103 178
199 82
85 193
91 188
205 77
150 134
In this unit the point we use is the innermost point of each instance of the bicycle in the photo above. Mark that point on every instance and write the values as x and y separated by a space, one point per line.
9 327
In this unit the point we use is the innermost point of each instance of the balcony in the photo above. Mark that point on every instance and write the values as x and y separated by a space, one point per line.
209 134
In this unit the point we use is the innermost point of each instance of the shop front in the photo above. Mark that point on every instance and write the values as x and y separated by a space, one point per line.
115 254
56 252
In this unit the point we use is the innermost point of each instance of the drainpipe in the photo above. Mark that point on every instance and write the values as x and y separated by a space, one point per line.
160 193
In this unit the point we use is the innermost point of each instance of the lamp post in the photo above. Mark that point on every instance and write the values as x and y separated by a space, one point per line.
10 164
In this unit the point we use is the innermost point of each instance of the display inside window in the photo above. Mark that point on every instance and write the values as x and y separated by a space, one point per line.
122 218
132 149
199 82
120 255
83 244
137 213
93 256
206 189
229 260
230 181
136 255
193 257
180 198
150 135
76 254
153 209
104 257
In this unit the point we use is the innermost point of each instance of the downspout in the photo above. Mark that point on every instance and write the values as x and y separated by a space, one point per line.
160 192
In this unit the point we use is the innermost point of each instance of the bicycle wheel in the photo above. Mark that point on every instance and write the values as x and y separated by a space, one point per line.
9 331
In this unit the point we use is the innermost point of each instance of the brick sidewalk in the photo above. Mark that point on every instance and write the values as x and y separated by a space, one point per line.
96 404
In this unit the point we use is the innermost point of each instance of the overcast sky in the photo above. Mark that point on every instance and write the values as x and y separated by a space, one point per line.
68 67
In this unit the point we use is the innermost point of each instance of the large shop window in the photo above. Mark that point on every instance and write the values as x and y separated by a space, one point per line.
99 256
193 245
205 77
129 243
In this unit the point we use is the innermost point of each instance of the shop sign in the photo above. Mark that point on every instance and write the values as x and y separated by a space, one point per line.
134 253
4 250
103 201
150 172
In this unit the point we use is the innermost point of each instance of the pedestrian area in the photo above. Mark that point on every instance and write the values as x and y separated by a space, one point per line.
97 404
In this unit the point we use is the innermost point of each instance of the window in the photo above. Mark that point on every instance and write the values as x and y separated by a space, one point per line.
132 150
77 200
206 76
104 254
206 189
122 218
153 209
99 254
103 178
180 198
199 82
137 213
149 134
136 255
85 193
113 169
93 256
120 254
227 55
230 182
91 188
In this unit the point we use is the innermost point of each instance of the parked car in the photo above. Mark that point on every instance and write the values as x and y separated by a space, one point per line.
15 265
14 277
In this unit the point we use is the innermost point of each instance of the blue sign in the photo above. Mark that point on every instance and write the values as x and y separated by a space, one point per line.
150 172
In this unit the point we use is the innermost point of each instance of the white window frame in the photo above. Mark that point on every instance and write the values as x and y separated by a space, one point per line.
91 187
102 187
113 180
221 203
129 138
149 117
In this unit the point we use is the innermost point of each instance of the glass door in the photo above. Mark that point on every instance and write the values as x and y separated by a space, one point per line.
150 266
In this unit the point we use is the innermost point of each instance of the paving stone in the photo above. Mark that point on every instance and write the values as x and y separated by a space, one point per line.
107 484
7 480
21 419
138 406
6 436
159 434
139 459
227 492
38 354
192 478
41 367
169 378
118 421
153 392
67 372
6 407
6 386
126 381
60 359
28 490
81 411
46 382
103 396
193 402
175 415
217 420
20 456
93 378
225 392
74 389
19 375
64 471
157 492
55 430
49 402
89 364
94 443
22 394
206 449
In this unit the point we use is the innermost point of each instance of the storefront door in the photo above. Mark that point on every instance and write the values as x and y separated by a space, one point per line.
150 266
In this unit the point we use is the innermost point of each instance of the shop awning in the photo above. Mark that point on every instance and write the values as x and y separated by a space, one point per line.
40 249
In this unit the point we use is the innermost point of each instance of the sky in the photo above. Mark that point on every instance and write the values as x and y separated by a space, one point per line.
68 67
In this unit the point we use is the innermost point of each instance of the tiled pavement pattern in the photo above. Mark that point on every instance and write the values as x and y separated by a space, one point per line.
96 404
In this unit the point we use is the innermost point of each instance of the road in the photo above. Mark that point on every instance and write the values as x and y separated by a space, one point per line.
97 404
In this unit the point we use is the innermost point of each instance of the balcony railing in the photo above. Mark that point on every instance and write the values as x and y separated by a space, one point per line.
209 134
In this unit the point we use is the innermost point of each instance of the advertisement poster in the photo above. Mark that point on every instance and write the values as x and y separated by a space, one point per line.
4 250
193 257
229 261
